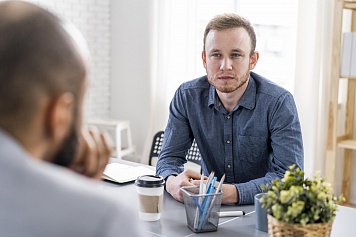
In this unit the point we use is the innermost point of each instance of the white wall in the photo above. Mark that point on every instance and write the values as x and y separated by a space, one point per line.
132 72
120 37
92 18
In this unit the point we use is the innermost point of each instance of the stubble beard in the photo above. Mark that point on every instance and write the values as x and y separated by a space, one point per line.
66 154
230 88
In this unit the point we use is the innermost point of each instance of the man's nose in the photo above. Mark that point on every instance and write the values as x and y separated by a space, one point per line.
226 64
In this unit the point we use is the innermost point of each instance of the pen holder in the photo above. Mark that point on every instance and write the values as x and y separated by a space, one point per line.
201 210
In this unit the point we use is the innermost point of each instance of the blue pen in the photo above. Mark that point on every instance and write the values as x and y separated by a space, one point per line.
198 203
213 201
206 203
210 178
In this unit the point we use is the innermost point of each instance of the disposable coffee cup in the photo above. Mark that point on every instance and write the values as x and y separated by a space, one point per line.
150 196
261 214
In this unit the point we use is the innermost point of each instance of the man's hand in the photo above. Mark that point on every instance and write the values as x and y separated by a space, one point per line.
93 153
174 183
230 193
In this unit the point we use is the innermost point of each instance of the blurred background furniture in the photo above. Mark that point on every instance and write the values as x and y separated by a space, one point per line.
120 132
192 156
347 140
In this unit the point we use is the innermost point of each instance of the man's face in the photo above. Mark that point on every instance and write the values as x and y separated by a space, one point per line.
227 58
66 154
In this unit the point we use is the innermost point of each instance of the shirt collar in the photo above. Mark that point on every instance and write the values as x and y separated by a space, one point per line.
212 96
248 99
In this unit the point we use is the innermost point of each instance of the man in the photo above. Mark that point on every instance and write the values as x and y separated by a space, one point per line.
246 127
43 70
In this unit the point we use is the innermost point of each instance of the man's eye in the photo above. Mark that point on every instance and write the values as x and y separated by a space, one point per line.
235 55
215 55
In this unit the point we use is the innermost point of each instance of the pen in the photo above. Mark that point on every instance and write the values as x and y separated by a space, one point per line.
213 201
210 178
220 183
231 213
206 203
201 185
201 190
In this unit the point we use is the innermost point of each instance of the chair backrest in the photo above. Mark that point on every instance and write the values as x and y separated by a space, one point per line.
156 146
193 154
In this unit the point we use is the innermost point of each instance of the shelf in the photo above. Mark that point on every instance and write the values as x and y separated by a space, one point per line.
347 144
345 141
350 5
351 78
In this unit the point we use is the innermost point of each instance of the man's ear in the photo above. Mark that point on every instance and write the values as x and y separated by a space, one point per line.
203 56
254 59
60 116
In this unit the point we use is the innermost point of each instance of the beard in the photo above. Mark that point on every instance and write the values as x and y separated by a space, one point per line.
230 86
66 154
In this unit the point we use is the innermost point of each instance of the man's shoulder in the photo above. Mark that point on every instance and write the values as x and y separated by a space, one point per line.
198 83
88 202
73 186
267 87
55 199
18 165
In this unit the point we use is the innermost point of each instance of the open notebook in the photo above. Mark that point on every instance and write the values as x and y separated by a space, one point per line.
121 173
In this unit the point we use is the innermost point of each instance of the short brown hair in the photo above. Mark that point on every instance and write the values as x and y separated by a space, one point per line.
229 21
37 58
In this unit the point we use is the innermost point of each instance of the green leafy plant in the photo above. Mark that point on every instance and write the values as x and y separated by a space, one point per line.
297 200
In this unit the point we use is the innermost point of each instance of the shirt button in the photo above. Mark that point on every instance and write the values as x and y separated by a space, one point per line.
229 166
228 141
228 117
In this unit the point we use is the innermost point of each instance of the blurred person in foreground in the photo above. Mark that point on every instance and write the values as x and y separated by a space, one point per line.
245 126
43 79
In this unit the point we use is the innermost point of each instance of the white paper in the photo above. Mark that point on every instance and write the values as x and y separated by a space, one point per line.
125 173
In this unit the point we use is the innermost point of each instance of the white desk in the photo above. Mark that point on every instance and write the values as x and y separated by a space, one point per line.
173 220
345 222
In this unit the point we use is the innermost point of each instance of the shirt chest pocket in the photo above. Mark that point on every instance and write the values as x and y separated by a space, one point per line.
252 149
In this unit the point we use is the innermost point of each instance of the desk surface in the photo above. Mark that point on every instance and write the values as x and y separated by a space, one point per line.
173 219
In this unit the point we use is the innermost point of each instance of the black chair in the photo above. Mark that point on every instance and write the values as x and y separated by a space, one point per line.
156 146
193 154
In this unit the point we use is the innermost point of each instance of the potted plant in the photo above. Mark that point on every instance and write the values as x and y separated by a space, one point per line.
300 207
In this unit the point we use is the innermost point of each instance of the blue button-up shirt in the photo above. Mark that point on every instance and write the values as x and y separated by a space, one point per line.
253 144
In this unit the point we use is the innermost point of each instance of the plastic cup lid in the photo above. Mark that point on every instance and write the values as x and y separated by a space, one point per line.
149 181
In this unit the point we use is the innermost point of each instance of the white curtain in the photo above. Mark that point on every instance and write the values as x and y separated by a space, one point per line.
159 110
310 90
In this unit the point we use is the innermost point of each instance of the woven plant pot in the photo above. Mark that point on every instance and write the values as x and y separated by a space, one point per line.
278 228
